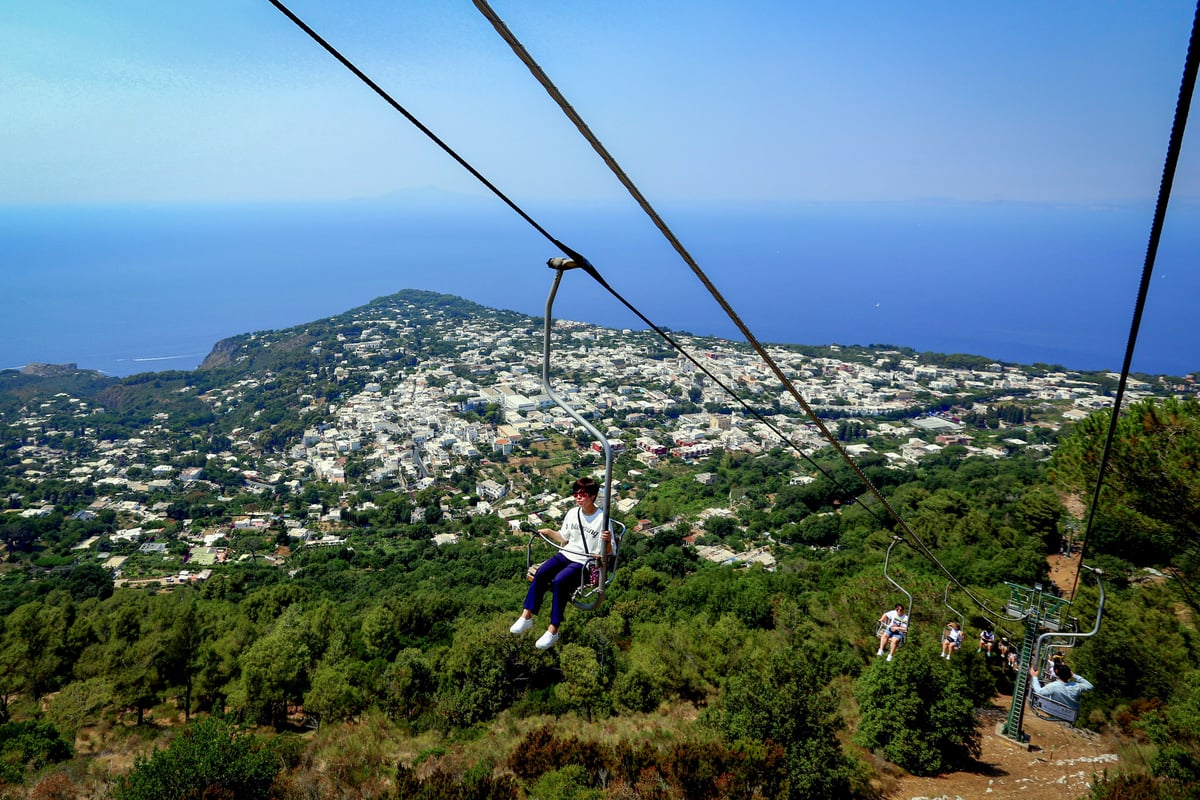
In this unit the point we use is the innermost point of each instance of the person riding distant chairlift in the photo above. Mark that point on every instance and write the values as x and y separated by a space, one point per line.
987 642
581 537
895 630
951 640
1065 689
1009 653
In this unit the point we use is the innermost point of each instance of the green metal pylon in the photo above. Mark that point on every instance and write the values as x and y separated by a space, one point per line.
1040 610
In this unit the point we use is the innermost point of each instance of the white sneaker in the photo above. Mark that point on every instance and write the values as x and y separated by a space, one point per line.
546 641
522 624
879 652
889 658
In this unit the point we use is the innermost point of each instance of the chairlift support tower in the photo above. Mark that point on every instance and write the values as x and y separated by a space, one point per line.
1040 610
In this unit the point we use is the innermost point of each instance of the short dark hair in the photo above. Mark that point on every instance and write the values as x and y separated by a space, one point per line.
588 485
1062 671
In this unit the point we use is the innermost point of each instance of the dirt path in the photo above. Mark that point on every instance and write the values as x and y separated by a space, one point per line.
1062 572
1059 764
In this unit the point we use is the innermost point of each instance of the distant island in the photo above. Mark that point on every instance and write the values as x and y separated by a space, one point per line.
49 370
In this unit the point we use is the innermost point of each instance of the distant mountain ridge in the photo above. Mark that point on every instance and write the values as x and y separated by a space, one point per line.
310 358
280 361
295 340
50 370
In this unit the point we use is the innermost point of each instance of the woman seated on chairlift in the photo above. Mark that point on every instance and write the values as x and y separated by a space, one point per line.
581 537
951 639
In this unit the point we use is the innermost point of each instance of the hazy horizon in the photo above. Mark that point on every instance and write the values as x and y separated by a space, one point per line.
132 289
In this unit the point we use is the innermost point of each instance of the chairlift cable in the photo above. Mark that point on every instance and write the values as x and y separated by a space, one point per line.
583 262
644 204
540 75
569 252
362 76
1174 145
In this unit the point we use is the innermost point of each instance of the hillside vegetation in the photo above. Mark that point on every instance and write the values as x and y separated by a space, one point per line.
349 636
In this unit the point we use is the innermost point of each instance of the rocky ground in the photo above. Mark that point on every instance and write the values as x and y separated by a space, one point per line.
1059 763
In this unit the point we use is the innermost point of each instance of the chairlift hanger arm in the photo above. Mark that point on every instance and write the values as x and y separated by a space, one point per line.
559 265
887 557
962 621
1037 649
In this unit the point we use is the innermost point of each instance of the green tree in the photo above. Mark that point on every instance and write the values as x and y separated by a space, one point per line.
35 643
918 716
1175 731
332 697
582 687
788 703
132 656
820 529
1125 663
1149 487
209 759
637 690
79 703
409 684
90 580
1040 511
26 747
721 527
479 674
379 635
182 639
275 670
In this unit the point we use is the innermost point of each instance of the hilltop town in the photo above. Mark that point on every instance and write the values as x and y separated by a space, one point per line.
424 415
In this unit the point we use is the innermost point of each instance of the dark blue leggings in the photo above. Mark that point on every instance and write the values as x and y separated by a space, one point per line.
560 574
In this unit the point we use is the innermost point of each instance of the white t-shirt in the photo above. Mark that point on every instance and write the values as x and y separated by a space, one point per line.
582 532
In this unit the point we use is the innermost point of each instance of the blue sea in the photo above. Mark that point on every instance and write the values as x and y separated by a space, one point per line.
143 288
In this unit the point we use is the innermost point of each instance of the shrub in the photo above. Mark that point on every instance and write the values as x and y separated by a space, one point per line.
28 747
918 715
210 759
787 704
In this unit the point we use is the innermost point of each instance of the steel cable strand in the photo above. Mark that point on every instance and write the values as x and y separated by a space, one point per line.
1174 146
572 254
585 131
641 200
362 76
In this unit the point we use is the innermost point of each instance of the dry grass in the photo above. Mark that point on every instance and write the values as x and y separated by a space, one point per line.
358 760
500 740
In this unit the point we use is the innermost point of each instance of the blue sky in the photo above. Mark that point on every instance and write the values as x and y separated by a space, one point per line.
158 101
973 158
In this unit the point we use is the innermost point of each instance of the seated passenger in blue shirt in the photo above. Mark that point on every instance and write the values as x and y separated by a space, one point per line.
1066 689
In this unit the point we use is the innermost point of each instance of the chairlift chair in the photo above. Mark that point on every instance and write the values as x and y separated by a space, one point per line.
1044 707
1052 710
598 570
962 621
882 626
